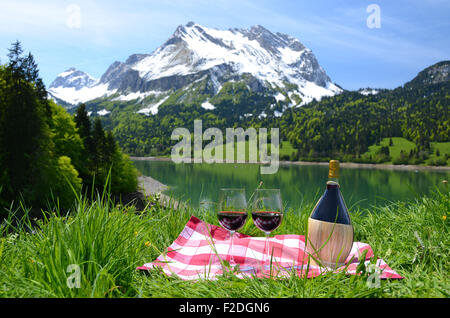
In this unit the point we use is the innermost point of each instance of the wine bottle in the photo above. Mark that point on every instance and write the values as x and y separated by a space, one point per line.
330 231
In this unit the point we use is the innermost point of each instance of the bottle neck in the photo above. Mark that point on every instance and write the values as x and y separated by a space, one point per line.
333 183
333 171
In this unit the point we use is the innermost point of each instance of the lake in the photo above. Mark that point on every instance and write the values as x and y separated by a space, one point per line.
361 187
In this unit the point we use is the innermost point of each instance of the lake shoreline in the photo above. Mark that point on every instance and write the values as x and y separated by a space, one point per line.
342 164
149 186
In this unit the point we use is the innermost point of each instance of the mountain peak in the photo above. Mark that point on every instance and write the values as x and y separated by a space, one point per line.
73 78
67 72
434 74
259 29
182 28
73 86
194 52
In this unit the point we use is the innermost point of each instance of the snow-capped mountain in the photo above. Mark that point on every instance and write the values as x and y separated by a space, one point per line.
74 78
275 62
74 86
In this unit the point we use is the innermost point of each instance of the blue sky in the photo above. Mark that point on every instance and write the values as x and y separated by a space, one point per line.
411 35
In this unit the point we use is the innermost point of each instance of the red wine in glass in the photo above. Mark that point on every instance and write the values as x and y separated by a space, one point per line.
267 221
232 220
267 213
232 213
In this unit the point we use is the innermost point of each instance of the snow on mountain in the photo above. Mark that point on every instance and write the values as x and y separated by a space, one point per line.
271 58
137 95
207 105
368 91
74 86
193 53
153 108
74 78
103 112
75 96
280 97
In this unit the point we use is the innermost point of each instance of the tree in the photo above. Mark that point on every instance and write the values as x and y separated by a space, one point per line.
110 147
98 145
83 123
33 138
108 158
66 138
384 150
104 155
24 133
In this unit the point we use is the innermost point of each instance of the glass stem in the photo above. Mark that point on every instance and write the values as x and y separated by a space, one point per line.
232 262
266 248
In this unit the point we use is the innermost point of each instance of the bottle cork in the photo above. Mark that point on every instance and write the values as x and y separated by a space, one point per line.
333 172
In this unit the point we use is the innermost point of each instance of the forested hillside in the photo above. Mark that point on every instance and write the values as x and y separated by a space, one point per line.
343 126
346 125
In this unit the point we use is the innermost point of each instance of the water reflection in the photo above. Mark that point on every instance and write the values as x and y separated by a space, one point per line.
361 187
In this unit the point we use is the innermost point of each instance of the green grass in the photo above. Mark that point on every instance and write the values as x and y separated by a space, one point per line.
399 144
443 147
286 150
107 243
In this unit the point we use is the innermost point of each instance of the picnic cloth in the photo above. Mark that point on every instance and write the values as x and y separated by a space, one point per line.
200 249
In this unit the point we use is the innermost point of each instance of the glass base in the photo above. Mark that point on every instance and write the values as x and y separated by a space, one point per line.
330 265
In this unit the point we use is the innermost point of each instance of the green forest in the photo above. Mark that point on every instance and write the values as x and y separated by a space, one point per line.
347 125
49 157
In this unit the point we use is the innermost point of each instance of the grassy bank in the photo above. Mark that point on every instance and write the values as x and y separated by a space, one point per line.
107 242
401 144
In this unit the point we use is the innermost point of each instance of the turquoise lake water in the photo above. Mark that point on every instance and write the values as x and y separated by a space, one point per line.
361 187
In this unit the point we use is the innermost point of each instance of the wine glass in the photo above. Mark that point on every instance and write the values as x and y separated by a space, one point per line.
232 213
267 213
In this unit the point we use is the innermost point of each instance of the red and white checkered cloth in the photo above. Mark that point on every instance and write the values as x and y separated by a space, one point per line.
200 249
